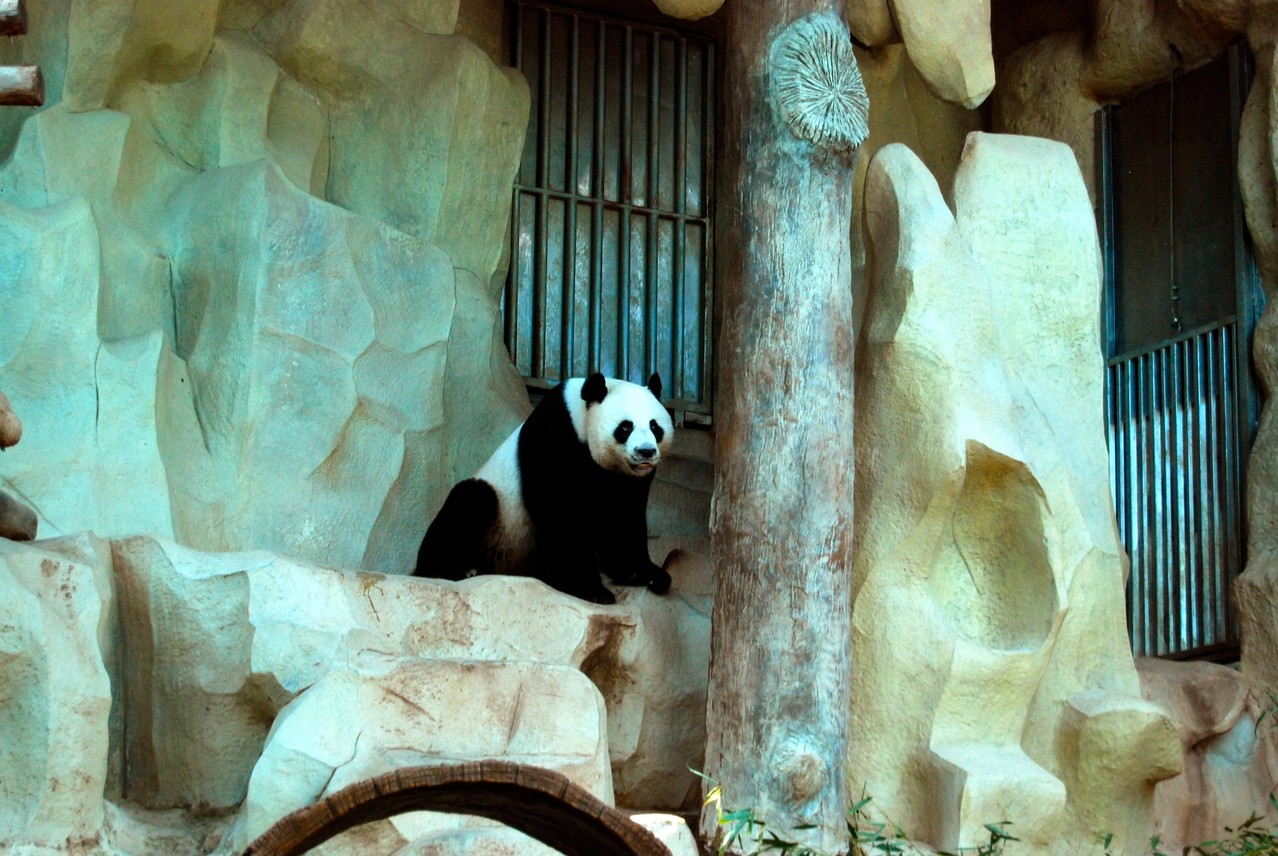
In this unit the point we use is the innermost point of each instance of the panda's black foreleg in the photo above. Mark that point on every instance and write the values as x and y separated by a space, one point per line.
622 541
456 540
568 563
565 560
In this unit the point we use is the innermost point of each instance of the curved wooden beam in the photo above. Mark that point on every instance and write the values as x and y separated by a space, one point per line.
538 802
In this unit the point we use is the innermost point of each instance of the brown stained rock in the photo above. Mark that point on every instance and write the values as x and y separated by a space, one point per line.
1205 699
1227 750
10 425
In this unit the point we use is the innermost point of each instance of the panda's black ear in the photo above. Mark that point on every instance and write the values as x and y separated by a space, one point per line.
654 384
594 389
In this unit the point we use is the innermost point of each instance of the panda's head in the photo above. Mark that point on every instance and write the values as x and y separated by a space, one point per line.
623 424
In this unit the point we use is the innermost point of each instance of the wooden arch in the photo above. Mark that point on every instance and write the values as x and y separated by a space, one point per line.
538 802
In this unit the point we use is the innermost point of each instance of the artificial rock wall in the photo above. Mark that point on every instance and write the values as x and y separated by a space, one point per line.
164 700
251 254
993 679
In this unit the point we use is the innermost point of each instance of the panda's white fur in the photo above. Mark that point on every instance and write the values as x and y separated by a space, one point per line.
543 498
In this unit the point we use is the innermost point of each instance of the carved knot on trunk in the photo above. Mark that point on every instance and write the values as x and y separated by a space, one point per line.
800 771
817 85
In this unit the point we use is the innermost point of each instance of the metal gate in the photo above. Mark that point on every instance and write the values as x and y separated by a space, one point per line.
1182 298
611 242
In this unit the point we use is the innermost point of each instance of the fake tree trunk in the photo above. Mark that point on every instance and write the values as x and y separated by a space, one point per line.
777 711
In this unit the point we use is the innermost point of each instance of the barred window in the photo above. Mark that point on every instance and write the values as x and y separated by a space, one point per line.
611 233
1182 297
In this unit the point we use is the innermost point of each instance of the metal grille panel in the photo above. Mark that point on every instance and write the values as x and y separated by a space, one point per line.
1173 416
611 241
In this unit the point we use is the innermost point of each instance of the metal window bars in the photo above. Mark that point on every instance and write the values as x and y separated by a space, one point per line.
611 234
1175 469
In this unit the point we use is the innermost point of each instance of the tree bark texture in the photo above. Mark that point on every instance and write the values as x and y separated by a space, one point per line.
777 709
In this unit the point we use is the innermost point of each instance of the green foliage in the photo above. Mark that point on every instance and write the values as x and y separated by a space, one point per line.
744 829
1249 838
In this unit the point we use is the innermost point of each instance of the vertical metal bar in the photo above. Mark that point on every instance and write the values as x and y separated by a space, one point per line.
1108 232
510 294
1116 480
1180 507
1166 512
541 228
1233 470
654 187
709 96
593 356
1203 495
1128 423
1213 474
1191 491
510 305
677 383
568 297
1140 548
626 191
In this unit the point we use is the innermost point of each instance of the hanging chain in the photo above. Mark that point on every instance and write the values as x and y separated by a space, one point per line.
1171 208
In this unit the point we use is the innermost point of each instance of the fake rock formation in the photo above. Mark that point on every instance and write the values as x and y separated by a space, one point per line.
224 301
206 695
992 674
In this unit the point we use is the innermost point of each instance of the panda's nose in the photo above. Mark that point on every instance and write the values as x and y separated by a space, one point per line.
646 452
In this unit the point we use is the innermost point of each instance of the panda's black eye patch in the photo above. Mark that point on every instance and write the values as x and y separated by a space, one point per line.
657 433
623 431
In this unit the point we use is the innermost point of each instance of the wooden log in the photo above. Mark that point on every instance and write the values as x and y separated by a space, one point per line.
17 522
541 803
21 86
780 673
13 18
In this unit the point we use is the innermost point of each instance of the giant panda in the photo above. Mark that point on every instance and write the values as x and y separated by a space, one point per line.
564 497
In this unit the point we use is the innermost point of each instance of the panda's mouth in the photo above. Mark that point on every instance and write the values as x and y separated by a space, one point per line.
643 466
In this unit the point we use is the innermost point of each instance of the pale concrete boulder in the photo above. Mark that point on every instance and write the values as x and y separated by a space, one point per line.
221 642
1256 593
1255 589
453 121
988 624
689 10
654 683
180 133
315 344
1112 753
871 24
239 108
356 724
1228 750
949 43
89 407
117 43
57 649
